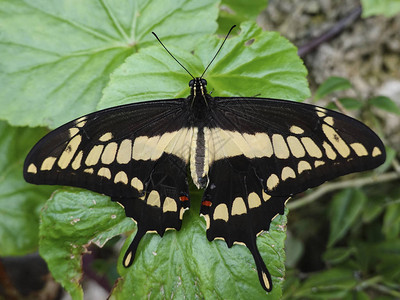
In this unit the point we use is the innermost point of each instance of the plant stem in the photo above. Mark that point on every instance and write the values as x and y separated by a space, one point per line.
329 187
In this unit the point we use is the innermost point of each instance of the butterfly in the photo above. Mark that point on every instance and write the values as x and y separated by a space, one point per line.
250 155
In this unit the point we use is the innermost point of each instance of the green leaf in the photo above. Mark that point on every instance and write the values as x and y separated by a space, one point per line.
294 250
234 12
347 103
57 55
338 255
181 263
331 85
269 67
372 208
346 206
385 103
331 284
391 221
185 264
20 202
70 221
388 8
386 260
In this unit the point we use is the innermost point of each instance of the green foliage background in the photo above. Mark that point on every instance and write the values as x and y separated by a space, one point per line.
63 59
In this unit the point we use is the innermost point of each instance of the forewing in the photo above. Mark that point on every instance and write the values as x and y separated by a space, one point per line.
262 151
136 153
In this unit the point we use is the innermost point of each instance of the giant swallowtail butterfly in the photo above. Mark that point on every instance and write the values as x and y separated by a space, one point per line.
250 155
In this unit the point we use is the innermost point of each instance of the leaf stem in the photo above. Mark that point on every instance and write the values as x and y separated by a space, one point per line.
329 187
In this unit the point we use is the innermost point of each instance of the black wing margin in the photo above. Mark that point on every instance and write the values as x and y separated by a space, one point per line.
263 151
137 154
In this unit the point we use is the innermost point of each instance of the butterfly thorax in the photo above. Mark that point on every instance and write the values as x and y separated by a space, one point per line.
199 100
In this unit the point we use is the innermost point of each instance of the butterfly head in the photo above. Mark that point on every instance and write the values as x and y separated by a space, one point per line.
198 86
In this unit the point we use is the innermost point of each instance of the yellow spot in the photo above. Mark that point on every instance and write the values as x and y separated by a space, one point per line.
221 212
128 259
80 122
321 112
330 153
238 206
76 164
311 148
137 184
287 172
329 121
69 151
239 243
48 163
272 182
94 155
254 200
177 143
207 218
318 163
258 144
154 199
303 166
376 152
169 205
296 129
89 170
296 147
105 172
265 196
121 177
266 281
281 150
109 153
73 131
359 149
336 140
124 152
32 169
106 137
181 212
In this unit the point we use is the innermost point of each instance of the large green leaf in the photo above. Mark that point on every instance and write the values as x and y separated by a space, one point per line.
269 67
71 220
56 55
181 263
234 12
20 202
388 8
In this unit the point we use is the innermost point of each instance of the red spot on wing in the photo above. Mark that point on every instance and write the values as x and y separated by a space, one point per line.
184 198
206 203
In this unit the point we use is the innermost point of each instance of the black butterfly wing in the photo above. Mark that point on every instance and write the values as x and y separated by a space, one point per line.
263 151
137 154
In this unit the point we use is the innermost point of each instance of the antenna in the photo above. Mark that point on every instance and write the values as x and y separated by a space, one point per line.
171 54
183 65
218 51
